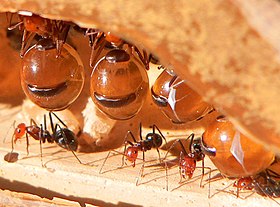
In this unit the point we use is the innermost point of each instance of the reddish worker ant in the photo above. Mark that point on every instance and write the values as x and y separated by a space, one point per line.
177 100
62 136
33 24
98 40
265 183
152 140
187 160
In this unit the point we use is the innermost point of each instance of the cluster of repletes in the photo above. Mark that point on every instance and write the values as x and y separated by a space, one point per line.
52 76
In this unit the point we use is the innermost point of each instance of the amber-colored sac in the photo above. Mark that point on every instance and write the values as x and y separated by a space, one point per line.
236 155
177 100
52 82
119 87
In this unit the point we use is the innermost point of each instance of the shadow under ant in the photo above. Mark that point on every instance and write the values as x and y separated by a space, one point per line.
21 187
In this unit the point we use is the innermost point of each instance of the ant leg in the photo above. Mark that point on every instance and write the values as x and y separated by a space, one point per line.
191 142
161 134
27 144
52 113
4 140
9 20
100 171
100 44
66 142
171 147
62 35
166 175
27 37
41 150
143 58
141 171
32 122
140 131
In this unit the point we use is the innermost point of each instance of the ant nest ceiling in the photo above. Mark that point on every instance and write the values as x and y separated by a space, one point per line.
224 49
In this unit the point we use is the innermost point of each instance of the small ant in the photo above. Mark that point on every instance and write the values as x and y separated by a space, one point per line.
152 140
33 24
98 40
263 183
187 160
62 136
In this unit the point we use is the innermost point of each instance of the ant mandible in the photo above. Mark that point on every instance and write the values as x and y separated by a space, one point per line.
33 24
62 136
152 140
98 40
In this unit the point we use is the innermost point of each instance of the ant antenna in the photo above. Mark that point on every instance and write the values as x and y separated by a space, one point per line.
9 131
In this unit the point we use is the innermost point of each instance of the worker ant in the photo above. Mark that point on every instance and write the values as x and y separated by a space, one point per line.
99 40
265 183
188 159
152 140
33 24
61 135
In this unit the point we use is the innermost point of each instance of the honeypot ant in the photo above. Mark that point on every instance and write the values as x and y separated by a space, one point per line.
222 141
62 136
177 100
33 24
119 84
152 140
98 40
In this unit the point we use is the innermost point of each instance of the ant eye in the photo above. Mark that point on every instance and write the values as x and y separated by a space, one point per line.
52 82
119 85
177 100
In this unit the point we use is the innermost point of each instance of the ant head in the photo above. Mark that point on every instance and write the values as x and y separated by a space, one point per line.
131 154
154 138
245 183
113 39
20 131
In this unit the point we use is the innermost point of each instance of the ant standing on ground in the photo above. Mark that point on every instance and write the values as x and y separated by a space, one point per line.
62 136
152 140
187 160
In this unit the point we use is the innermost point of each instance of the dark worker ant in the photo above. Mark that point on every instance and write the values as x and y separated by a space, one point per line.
99 40
152 140
188 159
33 24
62 136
